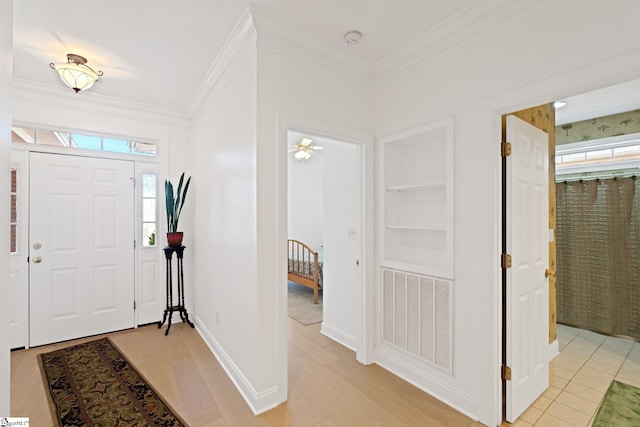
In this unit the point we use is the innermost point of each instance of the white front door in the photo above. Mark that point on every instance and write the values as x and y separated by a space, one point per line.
527 220
81 247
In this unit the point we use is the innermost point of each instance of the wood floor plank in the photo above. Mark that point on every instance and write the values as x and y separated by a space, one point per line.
327 386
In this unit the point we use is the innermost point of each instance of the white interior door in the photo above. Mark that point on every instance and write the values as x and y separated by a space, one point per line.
527 287
81 247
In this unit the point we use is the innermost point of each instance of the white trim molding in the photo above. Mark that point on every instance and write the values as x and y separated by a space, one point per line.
554 350
258 401
339 336
239 45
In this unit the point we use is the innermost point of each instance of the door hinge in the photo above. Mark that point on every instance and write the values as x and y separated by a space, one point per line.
505 261
505 149
505 373
134 243
134 305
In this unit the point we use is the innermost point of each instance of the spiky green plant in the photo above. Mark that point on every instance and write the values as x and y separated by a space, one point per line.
175 203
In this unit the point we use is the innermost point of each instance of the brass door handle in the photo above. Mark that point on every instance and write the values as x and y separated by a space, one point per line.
37 259
548 273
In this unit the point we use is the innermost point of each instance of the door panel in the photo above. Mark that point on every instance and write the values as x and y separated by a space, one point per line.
81 247
527 288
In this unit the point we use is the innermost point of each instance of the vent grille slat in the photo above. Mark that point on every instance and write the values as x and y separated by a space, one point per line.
417 316
401 311
427 319
413 315
388 292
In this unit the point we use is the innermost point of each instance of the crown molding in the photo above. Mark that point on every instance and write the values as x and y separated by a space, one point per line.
279 38
469 24
35 92
240 42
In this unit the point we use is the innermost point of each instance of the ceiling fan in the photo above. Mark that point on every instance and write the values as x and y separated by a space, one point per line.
303 149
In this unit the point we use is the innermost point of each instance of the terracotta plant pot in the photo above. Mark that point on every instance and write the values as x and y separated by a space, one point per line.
174 238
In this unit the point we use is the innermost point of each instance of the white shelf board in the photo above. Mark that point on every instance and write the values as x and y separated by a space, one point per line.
416 228
417 187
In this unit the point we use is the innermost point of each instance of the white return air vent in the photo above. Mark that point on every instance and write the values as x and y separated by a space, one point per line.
417 316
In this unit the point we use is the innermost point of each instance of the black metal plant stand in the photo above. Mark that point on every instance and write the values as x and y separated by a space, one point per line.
168 312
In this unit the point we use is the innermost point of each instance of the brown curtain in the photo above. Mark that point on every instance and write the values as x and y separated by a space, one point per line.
598 255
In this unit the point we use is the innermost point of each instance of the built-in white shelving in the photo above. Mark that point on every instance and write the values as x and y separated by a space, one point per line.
417 200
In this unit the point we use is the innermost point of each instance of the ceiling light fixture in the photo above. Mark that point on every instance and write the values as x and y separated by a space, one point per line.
352 37
303 149
75 73
302 155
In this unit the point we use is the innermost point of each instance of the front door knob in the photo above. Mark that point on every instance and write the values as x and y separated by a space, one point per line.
37 259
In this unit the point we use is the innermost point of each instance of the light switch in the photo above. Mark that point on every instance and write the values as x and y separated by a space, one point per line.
352 233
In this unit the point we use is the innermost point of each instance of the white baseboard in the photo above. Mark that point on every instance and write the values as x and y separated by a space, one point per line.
258 402
339 336
553 351
429 384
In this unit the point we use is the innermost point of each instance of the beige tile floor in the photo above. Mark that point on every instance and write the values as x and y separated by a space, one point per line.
579 377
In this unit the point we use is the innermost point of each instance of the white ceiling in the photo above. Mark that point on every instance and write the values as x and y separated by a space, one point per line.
602 102
158 51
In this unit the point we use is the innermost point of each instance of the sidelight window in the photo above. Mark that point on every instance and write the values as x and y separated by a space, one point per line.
149 210
13 239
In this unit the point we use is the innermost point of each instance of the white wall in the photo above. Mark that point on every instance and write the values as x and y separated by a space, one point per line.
296 90
224 135
6 49
341 275
305 186
530 54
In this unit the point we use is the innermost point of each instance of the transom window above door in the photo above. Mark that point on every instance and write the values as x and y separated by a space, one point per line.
606 154
81 141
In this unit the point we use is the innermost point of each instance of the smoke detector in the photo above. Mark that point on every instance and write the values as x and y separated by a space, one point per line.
352 37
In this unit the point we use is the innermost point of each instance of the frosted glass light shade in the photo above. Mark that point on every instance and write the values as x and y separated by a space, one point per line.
302 155
77 77
75 73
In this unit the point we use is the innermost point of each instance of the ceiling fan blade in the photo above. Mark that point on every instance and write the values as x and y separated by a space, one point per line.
316 147
292 150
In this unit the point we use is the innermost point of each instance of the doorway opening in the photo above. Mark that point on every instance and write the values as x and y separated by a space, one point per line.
324 212
598 160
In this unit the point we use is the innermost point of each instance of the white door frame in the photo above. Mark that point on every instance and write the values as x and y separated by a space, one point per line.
142 165
492 109
18 261
365 328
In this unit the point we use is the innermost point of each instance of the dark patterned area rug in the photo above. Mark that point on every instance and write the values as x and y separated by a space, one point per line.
94 384
620 406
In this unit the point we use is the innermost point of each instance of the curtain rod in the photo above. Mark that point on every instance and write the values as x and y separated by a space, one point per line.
598 177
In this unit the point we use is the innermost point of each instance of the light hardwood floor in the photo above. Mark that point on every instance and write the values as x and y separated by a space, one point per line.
327 386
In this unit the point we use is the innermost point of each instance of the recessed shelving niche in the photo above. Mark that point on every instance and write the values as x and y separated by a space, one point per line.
418 199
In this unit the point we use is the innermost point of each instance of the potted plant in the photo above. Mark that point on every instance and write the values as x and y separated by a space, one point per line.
174 203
